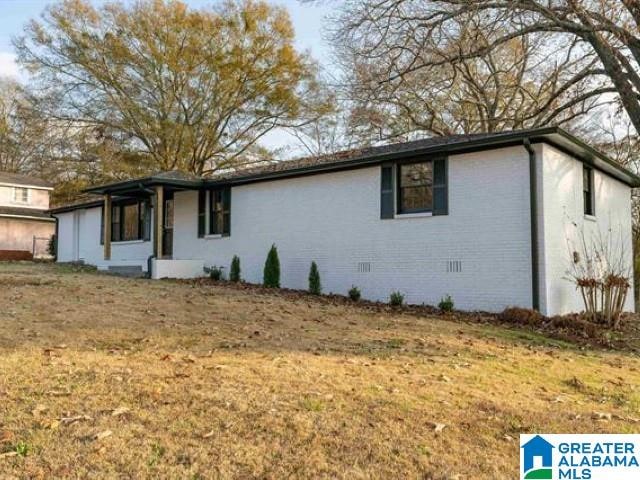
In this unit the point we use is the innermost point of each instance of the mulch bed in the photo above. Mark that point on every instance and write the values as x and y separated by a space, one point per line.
570 328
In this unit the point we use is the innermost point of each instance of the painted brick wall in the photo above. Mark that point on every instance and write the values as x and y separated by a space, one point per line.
86 246
563 224
334 219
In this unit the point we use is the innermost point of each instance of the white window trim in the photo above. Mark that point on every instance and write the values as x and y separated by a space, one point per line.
127 242
15 201
400 216
213 236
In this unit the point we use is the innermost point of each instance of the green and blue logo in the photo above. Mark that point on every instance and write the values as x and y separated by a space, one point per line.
536 459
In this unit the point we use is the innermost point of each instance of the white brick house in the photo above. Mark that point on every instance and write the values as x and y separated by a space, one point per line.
442 216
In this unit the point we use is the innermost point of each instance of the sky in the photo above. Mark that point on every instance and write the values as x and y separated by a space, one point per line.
308 20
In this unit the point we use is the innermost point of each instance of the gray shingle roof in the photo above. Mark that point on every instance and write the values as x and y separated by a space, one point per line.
25 212
19 179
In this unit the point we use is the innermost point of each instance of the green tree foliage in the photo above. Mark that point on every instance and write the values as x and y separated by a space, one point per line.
315 286
192 90
234 271
271 277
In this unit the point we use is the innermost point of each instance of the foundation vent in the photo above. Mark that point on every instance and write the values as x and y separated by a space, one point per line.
454 266
364 267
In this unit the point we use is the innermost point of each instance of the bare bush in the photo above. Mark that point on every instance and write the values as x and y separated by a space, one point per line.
602 273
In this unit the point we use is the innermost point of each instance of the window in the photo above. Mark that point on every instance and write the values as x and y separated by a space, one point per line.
587 190
20 195
415 187
220 211
130 221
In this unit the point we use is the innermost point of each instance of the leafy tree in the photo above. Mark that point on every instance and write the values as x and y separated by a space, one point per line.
234 271
192 90
315 286
271 276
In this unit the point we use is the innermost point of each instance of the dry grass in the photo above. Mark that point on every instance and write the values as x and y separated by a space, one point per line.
104 377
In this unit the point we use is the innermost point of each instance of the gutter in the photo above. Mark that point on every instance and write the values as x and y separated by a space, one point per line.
533 200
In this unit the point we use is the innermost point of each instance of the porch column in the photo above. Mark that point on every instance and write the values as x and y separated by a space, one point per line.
158 222
106 231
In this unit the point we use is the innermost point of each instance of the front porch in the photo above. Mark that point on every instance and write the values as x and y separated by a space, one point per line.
141 212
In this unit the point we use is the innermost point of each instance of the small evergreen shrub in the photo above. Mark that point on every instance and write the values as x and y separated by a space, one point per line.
216 273
234 271
446 303
51 246
396 299
315 286
271 276
354 293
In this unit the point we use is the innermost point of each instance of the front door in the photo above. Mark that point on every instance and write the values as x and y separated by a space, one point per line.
167 227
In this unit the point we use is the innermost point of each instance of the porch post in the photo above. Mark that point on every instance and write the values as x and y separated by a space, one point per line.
107 227
159 222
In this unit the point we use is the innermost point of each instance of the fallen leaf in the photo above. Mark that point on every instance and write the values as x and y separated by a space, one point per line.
8 454
78 418
209 435
102 435
120 411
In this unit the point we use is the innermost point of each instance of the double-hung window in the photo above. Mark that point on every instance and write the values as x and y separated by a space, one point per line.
415 187
220 211
20 195
130 220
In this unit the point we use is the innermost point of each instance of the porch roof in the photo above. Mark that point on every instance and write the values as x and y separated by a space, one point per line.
173 179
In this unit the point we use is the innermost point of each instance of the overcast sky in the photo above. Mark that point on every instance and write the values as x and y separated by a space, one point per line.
308 21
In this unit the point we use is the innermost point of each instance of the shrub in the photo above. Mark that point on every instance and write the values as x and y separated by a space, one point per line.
446 303
521 316
216 273
51 246
354 293
271 277
315 286
234 271
396 299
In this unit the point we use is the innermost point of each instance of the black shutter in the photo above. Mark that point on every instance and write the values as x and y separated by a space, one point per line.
102 225
440 188
146 208
386 192
226 209
202 201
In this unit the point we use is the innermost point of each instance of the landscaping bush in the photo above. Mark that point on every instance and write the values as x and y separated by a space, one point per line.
396 299
354 293
446 304
521 316
315 286
215 273
234 271
52 247
271 276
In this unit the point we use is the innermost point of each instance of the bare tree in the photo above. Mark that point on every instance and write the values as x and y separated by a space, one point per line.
405 31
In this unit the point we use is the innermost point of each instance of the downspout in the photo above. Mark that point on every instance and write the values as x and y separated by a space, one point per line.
533 200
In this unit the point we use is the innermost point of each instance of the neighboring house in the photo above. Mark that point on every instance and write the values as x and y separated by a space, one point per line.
25 225
453 215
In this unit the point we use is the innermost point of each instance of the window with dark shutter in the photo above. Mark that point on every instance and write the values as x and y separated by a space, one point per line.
130 220
202 205
588 191
220 211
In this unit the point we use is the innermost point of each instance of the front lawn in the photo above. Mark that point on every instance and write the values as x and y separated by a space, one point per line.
105 377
